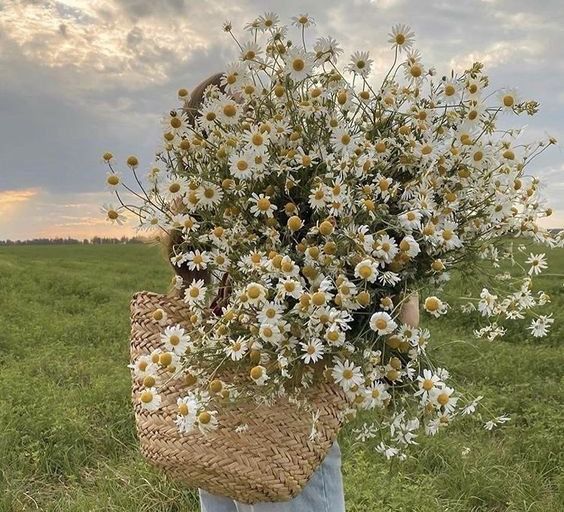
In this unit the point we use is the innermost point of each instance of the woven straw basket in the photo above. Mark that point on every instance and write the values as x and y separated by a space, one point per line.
271 460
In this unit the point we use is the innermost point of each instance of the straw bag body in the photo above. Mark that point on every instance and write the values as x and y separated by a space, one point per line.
270 460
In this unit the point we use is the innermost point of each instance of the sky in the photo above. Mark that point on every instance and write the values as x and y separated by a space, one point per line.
81 77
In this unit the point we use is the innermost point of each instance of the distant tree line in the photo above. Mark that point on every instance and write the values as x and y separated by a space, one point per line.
96 240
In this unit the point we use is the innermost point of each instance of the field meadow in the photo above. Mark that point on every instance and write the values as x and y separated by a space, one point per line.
67 438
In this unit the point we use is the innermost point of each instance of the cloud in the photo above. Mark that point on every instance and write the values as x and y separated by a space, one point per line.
12 200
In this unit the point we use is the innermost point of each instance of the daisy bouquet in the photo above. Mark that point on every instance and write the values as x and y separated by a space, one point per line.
318 201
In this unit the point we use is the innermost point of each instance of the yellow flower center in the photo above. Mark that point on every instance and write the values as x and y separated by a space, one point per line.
204 417
263 204
113 179
347 374
400 39
253 292
443 399
427 384
298 64
256 372
146 396
229 110
183 409
381 324
174 187
432 304
149 381
508 100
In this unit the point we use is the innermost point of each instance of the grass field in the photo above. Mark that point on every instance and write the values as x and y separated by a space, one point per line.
67 440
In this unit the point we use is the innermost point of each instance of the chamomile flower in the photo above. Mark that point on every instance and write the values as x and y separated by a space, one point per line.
209 194
187 410
299 64
435 306
255 293
150 399
401 37
113 214
382 323
303 21
538 263
175 339
360 64
237 348
327 49
261 205
258 375
367 270
442 398
312 351
197 260
508 99
346 374
540 327
113 180
207 421
250 54
195 293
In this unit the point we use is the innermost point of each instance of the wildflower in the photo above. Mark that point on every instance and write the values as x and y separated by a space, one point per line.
382 323
313 351
175 339
401 37
150 399
538 263
347 374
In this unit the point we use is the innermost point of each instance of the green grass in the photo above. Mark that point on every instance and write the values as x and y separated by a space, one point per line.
67 440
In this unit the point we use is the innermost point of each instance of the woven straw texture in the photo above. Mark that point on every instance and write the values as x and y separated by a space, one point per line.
271 460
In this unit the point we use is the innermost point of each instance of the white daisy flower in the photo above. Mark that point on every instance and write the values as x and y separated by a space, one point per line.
375 395
382 323
435 306
427 382
175 339
299 64
347 375
540 327
209 194
236 349
366 270
538 263
241 165
401 37
255 293
270 333
195 293
187 409
261 205
258 375
150 399
442 398
313 351
270 313
303 21
360 63
113 214
327 49
207 421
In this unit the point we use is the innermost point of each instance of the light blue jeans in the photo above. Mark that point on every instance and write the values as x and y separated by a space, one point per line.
323 493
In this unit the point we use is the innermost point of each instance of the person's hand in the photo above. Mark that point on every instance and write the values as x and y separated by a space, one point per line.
409 312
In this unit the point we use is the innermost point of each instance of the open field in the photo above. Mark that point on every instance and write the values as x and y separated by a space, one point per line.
67 440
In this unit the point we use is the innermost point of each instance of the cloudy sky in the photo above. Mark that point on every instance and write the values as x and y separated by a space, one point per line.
80 77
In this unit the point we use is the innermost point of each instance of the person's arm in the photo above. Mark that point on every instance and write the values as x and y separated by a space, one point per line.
409 312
